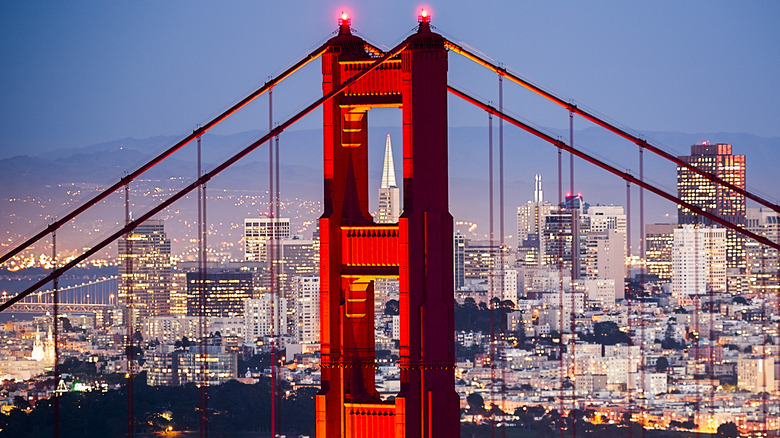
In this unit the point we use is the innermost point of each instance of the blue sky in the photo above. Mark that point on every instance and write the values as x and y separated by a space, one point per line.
77 73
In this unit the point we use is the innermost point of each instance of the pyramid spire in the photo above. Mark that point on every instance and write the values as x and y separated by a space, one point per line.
388 169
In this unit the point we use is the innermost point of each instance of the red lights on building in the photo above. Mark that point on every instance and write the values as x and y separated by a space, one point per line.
344 20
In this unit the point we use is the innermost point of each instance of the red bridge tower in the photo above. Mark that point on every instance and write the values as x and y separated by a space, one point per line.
417 251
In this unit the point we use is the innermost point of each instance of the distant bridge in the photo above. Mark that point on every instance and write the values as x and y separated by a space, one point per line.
80 298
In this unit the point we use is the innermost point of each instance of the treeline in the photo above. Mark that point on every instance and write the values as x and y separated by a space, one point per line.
233 407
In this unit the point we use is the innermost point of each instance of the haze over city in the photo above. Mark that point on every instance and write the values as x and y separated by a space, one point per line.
92 91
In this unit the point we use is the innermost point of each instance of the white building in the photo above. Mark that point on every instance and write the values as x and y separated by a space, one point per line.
389 193
259 314
307 309
258 230
169 329
530 222
604 256
654 383
698 260
756 374
598 290
607 217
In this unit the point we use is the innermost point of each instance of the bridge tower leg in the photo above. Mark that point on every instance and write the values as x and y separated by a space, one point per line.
418 250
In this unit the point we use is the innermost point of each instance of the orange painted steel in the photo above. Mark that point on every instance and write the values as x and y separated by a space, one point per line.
418 250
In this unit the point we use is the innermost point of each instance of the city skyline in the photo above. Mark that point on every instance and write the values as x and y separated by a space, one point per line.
389 315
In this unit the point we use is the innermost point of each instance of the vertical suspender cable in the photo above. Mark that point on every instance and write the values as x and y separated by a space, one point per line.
764 390
696 310
129 319
269 254
575 240
278 258
560 242
502 239
629 389
201 293
202 381
492 273
204 315
55 329
641 291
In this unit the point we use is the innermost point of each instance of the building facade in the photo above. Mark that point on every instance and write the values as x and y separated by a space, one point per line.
389 193
718 160
224 293
145 282
257 231
698 261
658 250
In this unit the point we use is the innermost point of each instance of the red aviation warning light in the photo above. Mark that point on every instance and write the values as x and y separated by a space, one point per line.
424 17
344 19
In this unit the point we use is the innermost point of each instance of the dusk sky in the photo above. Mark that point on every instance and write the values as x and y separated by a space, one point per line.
80 73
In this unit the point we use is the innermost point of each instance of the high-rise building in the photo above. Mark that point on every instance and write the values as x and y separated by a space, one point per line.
480 259
258 320
607 217
295 258
563 237
386 289
658 250
530 223
717 160
762 261
459 261
257 231
307 309
698 261
145 272
389 193
604 257
756 374
225 292
176 368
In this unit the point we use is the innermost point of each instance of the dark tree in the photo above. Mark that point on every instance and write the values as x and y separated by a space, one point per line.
21 402
608 333
476 403
391 308
728 430
66 325
662 365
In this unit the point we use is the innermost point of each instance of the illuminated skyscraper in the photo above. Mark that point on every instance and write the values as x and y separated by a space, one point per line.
257 231
530 225
716 159
561 243
225 292
763 262
386 289
459 260
389 193
658 250
145 271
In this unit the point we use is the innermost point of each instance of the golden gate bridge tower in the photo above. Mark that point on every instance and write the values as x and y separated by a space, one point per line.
418 250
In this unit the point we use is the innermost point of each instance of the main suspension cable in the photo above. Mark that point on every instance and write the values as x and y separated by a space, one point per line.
623 175
207 176
156 160
604 124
